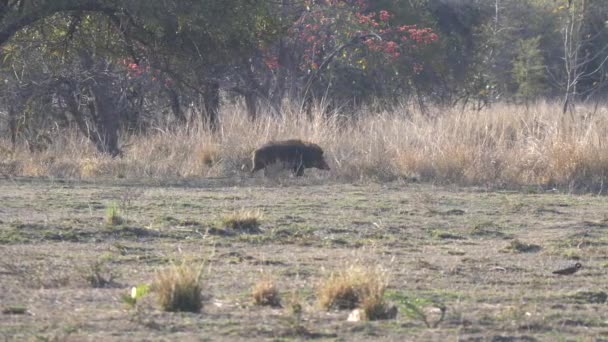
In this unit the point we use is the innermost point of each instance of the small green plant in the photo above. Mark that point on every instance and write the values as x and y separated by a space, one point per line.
414 308
113 217
488 229
518 246
572 253
15 310
137 292
443 235
179 287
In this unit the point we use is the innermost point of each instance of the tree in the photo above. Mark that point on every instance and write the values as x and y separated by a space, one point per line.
583 59
529 69
350 53
89 47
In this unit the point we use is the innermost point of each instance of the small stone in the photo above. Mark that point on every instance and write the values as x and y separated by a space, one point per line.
356 315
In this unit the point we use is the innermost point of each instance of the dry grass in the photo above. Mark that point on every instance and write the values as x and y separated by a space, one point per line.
354 287
179 287
505 145
294 304
243 220
265 292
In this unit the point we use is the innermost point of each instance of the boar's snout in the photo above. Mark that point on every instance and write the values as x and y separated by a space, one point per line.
323 165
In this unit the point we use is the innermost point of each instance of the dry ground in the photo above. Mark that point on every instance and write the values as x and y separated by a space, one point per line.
441 246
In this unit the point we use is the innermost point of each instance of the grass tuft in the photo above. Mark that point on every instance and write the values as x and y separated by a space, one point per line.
113 217
14 310
294 304
376 308
178 288
355 286
247 221
265 293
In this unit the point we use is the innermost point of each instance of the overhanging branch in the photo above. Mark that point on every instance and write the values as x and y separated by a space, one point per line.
30 18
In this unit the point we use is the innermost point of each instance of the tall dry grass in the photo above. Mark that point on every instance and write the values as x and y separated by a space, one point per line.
505 145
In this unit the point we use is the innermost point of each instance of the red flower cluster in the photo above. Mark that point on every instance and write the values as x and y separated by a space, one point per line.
135 70
328 24
385 15
272 62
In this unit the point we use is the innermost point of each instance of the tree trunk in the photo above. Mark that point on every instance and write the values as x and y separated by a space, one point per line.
12 124
285 69
251 104
211 100
574 63
104 108
107 120
175 105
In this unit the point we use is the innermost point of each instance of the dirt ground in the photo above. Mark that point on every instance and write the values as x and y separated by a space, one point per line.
486 256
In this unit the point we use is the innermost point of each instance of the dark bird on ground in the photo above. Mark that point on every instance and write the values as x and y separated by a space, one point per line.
569 270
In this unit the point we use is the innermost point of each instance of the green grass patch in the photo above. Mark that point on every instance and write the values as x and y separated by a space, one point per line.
517 246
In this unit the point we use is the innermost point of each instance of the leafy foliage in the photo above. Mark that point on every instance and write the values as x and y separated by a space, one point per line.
528 69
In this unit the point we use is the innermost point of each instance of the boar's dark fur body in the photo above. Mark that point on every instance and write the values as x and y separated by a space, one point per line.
296 155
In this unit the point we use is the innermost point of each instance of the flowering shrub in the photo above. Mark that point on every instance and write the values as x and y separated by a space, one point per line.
328 24
366 51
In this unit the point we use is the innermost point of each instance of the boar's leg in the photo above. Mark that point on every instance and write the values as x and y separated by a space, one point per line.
256 166
298 168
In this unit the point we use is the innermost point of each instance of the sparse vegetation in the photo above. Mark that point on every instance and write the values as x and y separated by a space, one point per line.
439 234
179 288
590 297
48 228
518 246
98 275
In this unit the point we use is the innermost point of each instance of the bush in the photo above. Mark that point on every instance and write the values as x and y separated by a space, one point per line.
178 288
